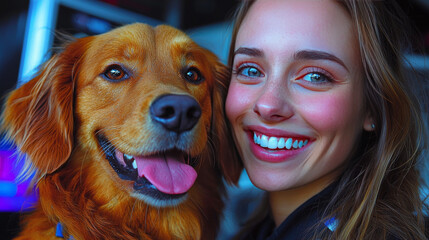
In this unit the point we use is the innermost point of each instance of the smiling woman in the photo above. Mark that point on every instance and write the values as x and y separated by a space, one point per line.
314 88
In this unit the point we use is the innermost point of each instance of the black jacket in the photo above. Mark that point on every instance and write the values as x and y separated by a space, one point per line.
298 224
302 223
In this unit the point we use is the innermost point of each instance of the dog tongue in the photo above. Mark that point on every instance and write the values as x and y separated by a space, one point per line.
167 172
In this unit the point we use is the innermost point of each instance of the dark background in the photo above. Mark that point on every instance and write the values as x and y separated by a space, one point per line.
185 14
194 13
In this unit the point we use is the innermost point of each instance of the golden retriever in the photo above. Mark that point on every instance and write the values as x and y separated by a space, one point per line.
126 134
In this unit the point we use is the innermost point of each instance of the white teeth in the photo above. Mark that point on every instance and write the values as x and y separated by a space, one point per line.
264 141
288 143
295 144
256 139
278 143
128 159
272 143
281 143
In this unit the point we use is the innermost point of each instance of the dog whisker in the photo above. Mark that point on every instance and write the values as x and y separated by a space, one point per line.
132 209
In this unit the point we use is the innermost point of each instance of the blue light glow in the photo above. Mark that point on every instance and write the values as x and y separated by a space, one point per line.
8 189
38 36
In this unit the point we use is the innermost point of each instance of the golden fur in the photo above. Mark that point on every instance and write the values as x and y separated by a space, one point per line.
55 119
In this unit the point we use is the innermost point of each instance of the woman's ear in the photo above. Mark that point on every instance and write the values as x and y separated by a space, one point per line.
38 116
368 123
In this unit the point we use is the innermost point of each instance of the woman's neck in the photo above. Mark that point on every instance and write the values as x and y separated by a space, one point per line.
283 203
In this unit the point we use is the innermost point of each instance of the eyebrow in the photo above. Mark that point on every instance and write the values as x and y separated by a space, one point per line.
317 55
253 52
300 55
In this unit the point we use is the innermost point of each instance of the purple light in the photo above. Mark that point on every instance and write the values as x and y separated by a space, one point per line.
14 196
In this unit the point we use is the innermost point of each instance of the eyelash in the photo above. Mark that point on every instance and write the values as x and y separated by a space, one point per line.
319 71
241 67
238 70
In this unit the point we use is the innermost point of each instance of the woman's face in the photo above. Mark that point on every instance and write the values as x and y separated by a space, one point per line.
295 100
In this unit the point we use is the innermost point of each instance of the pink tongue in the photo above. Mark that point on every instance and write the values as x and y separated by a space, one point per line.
167 173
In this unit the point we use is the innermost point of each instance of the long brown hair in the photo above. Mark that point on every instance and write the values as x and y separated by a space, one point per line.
378 193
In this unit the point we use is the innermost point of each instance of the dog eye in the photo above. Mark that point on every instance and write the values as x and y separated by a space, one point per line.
115 73
193 75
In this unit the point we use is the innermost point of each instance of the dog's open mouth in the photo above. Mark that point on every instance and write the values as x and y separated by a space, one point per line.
163 176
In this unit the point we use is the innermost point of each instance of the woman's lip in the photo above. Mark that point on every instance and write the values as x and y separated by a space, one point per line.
274 132
278 155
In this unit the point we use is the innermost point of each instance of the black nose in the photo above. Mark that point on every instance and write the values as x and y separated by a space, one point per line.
178 113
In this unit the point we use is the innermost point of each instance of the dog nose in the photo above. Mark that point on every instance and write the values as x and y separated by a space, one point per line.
178 113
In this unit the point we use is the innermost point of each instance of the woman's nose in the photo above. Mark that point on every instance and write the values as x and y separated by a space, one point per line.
273 104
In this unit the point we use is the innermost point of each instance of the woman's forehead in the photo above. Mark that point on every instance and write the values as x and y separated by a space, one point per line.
279 27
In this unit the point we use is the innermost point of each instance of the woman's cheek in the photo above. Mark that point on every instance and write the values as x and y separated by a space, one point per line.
236 101
327 112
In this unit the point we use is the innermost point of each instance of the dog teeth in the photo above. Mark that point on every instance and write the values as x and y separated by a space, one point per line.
128 157
130 161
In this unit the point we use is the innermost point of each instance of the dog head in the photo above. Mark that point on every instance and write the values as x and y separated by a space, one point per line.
140 106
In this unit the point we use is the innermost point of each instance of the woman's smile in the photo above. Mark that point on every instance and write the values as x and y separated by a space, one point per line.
278 143
275 148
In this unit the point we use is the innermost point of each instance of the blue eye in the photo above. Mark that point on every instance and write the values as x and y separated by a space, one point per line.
316 78
250 72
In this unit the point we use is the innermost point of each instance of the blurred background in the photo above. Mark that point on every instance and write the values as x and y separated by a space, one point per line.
28 28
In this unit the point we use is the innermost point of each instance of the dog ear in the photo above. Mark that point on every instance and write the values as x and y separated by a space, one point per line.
227 153
38 116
